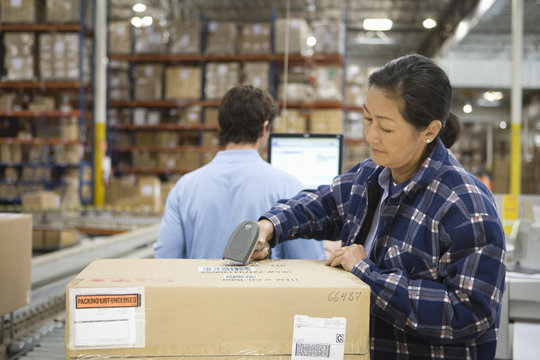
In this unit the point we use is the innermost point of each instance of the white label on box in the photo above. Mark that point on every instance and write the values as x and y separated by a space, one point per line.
226 269
147 190
318 338
107 318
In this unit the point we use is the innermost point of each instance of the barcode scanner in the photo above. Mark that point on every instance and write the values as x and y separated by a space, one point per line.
243 242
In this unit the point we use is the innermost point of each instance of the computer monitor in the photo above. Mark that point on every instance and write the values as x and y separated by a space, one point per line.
315 159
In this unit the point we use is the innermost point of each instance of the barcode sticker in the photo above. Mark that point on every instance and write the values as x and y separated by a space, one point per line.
318 338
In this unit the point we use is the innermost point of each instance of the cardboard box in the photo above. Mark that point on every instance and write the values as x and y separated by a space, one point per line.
255 39
148 82
298 33
50 238
221 38
15 261
209 309
149 193
21 11
185 37
183 83
62 11
41 200
120 37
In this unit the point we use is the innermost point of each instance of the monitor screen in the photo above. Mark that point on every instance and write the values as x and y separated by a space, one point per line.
315 159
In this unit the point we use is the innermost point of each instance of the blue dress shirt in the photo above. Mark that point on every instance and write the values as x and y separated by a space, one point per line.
206 205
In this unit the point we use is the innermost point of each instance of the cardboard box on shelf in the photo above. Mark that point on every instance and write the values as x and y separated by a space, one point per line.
326 121
330 36
183 83
222 38
289 121
298 34
149 193
328 83
15 261
255 39
62 11
45 200
120 37
20 11
148 82
211 309
211 116
150 39
257 73
19 56
185 37
220 77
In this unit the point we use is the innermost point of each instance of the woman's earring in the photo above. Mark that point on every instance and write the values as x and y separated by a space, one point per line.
428 140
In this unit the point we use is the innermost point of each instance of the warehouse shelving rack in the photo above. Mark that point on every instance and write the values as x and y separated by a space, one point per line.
78 89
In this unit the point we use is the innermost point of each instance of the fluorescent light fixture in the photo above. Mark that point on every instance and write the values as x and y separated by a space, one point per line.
377 24
493 95
429 23
139 7
311 41
136 21
147 21
467 108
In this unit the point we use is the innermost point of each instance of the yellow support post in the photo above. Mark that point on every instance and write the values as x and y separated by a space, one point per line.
515 163
100 150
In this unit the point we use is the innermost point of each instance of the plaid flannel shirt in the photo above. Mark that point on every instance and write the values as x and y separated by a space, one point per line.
436 271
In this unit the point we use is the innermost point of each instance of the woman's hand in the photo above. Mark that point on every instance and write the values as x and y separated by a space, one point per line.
266 232
347 256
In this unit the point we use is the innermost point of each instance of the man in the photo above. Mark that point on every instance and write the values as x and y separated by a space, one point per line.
206 205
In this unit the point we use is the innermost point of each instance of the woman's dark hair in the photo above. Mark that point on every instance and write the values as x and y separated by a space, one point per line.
424 91
242 113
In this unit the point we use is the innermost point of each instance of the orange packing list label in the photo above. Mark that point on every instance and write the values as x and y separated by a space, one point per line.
107 301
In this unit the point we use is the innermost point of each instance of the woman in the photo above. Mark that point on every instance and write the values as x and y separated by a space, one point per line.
417 227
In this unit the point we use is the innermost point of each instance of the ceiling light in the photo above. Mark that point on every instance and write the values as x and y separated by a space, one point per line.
373 38
311 41
147 21
377 24
467 108
502 124
493 95
139 7
136 21
429 23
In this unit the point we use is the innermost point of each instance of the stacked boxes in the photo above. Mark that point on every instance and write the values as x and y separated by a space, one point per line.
183 83
120 37
150 40
298 34
148 81
59 56
221 38
19 58
205 309
256 74
118 80
62 11
184 37
19 11
255 39
289 121
326 121
220 77
330 36
355 85
328 83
